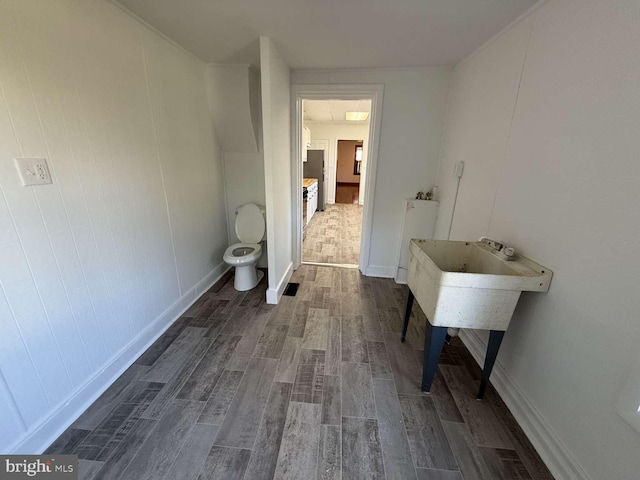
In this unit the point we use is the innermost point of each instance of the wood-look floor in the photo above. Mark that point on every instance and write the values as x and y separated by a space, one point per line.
347 192
318 387
333 236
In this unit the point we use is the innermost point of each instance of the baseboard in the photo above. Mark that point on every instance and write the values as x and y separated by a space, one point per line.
38 438
402 276
380 271
544 439
274 294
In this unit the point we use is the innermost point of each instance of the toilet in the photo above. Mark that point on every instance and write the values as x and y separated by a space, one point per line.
245 255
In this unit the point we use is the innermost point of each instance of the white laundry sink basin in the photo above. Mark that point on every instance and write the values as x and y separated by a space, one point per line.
468 285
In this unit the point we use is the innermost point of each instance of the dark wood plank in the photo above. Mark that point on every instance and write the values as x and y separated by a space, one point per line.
175 383
396 452
88 469
444 401
429 445
174 356
371 322
282 314
487 430
504 464
390 319
288 365
361 449
271 342
264 458
333 359
330 453
467 454
526 452
379 360
240 321
149 357
216 407
331 401
309 377
203 379
162 446
357 391
225 463
105 438
354 343
110 398
126 450
316 331
298 454
67 442
407 372
299 320
433 474
193 454
242 421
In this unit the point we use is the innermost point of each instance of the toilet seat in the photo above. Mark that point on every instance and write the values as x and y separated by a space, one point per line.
249 257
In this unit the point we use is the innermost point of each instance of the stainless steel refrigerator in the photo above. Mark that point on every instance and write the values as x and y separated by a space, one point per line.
314 168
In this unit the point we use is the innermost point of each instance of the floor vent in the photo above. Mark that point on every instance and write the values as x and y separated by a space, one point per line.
291 290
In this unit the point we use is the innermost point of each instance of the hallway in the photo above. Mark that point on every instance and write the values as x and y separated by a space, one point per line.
317 387
333 236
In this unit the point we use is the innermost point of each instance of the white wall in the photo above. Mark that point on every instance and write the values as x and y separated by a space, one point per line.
276 135
230 87
97 264
552 169
333 133
412 119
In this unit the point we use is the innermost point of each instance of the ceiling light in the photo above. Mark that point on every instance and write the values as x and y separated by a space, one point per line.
356 116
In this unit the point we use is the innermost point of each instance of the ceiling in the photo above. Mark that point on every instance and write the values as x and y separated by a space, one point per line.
333 111
332 33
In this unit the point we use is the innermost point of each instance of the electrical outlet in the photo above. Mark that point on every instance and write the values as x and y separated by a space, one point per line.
33 171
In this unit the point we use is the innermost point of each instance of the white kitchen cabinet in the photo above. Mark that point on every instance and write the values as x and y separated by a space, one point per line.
312 200
306 142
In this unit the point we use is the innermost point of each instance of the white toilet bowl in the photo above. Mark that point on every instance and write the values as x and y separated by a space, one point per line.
245 255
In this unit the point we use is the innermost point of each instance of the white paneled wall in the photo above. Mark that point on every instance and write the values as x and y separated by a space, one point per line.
546 118
276 135
134 222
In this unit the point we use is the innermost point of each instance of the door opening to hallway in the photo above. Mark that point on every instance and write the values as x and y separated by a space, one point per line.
334 169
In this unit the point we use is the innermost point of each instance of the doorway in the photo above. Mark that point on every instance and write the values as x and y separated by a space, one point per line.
349 166
333 236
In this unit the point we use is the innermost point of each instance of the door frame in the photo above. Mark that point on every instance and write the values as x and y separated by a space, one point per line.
373 92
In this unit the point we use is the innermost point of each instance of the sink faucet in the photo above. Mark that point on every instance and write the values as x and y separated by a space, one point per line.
499 248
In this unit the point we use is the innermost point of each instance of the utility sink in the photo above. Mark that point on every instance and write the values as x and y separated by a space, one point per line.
468 285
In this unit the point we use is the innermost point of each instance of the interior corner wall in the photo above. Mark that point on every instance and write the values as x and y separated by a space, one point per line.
413 111
545 118
276 140
96 265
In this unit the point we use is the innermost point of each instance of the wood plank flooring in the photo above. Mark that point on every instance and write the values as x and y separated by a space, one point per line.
319 386
347 192
333 236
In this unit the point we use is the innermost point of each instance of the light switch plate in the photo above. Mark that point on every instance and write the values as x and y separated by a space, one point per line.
33 171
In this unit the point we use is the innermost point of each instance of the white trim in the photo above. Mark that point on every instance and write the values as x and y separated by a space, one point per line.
373 92
380 271
39 437
544 439
274 294
402 276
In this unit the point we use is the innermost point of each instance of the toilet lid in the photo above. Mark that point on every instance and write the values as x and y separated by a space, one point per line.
250 224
